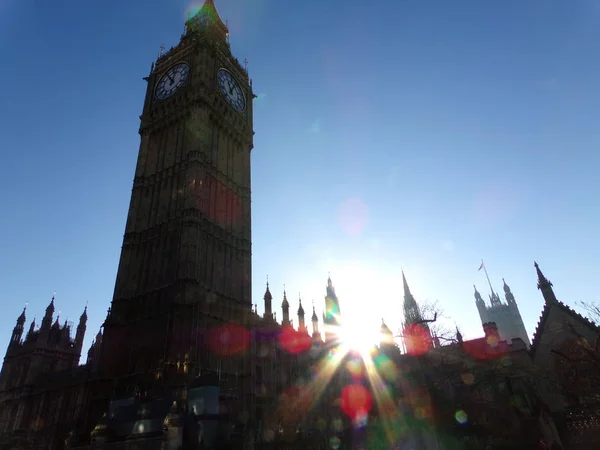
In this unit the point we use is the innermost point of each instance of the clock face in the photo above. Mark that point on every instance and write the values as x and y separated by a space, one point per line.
231 90
172 80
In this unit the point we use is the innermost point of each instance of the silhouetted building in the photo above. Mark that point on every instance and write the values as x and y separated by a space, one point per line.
505 315
185 361
41 383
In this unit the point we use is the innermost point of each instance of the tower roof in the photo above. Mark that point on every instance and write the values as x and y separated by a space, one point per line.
268 295
207 19
285 302
300 308
314 314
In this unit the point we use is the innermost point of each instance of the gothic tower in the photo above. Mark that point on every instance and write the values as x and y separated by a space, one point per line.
185 263
332 314
416 332
506 316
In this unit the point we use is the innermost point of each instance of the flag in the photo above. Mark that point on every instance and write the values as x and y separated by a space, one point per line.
481 266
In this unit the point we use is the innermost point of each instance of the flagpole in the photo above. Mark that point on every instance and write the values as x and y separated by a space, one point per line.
487 276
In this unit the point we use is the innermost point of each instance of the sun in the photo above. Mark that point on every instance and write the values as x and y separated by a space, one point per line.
356 337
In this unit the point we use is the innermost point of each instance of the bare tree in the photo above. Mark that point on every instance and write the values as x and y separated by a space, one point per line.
592 310
439 324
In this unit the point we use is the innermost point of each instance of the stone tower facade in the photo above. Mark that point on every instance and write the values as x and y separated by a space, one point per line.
506 315
185 263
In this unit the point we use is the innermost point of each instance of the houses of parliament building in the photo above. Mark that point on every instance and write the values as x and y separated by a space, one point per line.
184 360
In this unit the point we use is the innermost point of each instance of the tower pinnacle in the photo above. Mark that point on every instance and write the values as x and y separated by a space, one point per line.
207 21
510 298
285 306
545 285
268 298
412 314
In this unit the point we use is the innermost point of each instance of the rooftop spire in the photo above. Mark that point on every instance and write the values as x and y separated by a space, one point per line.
50 306
545 285
207 20
285 302
268 297
83 317
21 318
507 292
405 284
300 308
285 306
412 314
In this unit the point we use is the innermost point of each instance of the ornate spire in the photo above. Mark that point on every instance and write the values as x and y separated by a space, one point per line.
268 298
314 317
495 299
405 285
510 298
21 319
47 320
478 297
330 287
412 314
285 306
545 286
301 324
207 20
285 302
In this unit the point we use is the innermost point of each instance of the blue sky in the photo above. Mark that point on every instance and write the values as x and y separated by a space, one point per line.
422 135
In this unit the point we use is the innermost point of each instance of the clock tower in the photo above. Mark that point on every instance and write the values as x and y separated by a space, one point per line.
185 266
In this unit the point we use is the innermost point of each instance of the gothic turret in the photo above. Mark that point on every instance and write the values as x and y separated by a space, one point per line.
47 320
301 323
315 323
80 333
545 286
17 333
285 306
268 300
510 298
481 307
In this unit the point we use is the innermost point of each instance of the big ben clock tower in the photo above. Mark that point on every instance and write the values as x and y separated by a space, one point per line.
185 265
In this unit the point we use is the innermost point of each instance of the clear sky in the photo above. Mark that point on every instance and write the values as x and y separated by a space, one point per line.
422 135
